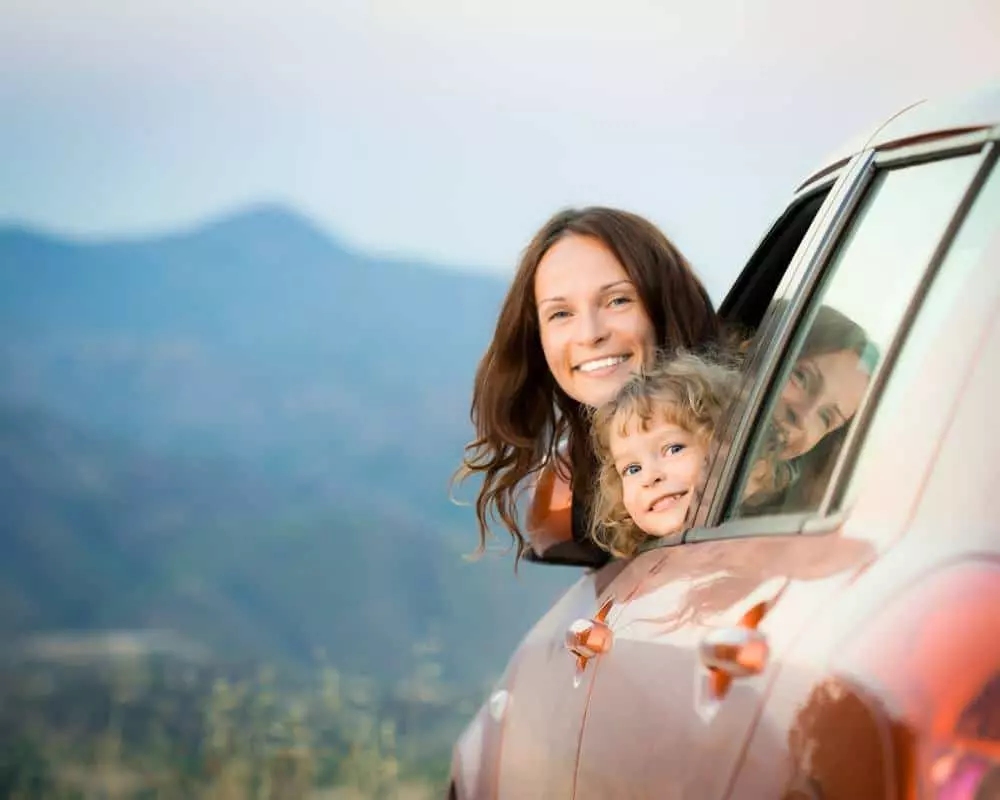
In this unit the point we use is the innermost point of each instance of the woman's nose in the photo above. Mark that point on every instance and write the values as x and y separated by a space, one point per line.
591 328
789 438
809 423
812 432
802 435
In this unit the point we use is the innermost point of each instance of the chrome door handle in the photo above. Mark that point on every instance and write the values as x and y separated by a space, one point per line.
588 638
737 652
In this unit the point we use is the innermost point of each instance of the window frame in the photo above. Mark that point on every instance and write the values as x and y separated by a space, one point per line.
776 331
857 434
770 350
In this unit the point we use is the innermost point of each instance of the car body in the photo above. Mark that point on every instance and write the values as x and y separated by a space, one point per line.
843 641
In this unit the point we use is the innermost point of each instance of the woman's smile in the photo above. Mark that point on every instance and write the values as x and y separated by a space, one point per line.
602 366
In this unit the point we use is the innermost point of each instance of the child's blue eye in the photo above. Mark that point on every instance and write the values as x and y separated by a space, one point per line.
631 469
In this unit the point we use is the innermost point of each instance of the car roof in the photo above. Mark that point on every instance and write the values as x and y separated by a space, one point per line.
975 109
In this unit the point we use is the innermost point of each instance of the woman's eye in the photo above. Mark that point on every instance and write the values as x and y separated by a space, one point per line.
826 417
561 314
631 469
619 300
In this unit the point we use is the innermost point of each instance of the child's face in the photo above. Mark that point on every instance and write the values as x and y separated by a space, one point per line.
659 468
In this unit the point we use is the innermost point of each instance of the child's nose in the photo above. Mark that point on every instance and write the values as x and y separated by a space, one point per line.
654 475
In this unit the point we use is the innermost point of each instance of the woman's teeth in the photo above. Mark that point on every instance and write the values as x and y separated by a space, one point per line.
601 363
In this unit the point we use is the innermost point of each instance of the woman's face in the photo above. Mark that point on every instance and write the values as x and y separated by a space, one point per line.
595 332
821 395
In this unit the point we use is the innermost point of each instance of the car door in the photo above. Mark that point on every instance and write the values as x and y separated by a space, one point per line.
548 693
675 700
915 641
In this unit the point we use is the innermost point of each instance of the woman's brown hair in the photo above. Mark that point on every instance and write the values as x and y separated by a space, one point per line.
519 413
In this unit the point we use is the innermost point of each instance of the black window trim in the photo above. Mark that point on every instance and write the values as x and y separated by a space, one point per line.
808 267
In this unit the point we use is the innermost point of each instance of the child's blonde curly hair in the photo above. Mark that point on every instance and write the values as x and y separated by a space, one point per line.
683 389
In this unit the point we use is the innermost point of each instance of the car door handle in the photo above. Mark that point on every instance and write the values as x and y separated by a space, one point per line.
737 652
587 638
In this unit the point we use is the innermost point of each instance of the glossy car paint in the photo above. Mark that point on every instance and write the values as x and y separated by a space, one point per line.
897 654
654 689
883 630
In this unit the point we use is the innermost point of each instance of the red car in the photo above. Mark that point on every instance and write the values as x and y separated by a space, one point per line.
839 638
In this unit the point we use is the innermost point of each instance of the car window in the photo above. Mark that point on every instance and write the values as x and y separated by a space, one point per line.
747 301
956 273
843 335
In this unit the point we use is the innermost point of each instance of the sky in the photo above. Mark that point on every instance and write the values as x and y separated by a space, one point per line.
450 129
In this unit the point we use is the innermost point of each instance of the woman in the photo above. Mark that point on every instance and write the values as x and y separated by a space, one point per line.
811 417
597 292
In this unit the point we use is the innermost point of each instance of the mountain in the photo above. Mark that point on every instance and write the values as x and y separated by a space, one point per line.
256 337
242 433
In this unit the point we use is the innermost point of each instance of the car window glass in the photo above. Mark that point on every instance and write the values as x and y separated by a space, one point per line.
752 307
963 258
847 327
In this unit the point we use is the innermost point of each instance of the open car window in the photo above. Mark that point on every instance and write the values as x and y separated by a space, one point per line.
828 370
748 299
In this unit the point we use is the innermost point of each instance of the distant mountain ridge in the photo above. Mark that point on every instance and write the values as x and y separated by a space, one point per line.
297 409
292 313
253 222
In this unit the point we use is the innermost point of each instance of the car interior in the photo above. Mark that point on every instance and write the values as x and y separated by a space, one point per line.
751 293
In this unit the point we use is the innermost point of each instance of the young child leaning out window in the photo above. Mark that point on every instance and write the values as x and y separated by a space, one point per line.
652 441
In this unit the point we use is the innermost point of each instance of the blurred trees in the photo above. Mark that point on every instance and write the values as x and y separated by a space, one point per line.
142 727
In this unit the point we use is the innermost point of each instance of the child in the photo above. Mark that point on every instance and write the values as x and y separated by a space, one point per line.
652 443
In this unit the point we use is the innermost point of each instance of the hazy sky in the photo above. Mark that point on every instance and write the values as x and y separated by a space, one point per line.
449 128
